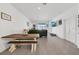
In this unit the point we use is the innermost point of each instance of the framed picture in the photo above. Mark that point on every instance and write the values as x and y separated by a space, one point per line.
78 20
78 16
5 16
53 24
27 23
60 22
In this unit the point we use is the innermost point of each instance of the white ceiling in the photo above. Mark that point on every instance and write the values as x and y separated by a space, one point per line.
32 12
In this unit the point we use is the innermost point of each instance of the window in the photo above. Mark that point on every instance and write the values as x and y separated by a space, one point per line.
41 26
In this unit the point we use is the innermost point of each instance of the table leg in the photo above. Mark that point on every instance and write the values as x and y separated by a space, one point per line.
12 48
35 46
32 47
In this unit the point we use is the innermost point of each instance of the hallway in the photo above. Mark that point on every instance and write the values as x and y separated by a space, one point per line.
51 45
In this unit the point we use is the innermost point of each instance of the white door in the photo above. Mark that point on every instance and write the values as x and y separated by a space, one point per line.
67 29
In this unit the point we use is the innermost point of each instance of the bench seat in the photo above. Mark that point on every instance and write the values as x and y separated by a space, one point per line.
14 42
25 39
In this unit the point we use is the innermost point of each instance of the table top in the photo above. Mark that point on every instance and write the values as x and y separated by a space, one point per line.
21 36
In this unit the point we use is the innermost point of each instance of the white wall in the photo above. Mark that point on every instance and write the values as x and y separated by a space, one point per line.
68 28
16 25
70 18
77 29
68 23
58 30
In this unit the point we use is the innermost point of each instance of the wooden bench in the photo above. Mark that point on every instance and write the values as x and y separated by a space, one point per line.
13 43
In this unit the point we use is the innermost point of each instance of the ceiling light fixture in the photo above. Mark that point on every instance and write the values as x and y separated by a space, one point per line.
38 8
44 4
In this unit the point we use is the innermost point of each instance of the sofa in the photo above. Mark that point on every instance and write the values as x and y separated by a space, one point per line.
40 32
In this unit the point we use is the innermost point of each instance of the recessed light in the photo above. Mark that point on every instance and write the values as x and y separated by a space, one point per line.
44 3
38 8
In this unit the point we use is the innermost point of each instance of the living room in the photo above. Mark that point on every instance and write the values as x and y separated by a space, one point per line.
49 32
